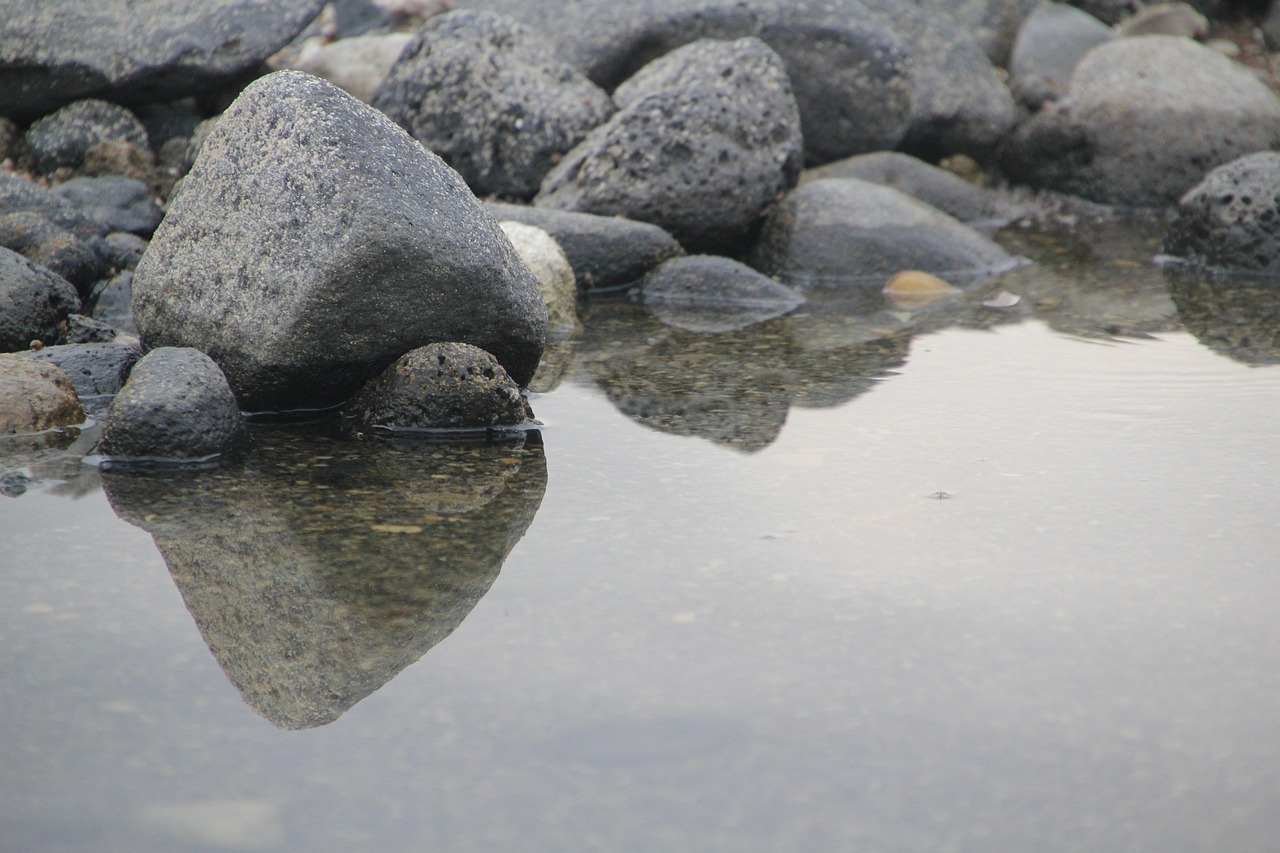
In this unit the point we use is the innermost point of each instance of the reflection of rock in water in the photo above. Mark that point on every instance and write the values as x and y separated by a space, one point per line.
1237 317
732 389
318 569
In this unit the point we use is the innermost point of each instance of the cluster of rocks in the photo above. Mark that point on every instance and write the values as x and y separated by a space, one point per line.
315 237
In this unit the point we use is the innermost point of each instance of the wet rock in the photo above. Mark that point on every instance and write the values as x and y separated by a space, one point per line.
177 405
993 23
1050 44
842 231
135 51
35 396
704 138
444 386
64 137
1231 219
1237 317
1120 135
606 252
314 582
34 302
94 369
314 242
934 186
116 203
549 265
490 97
357 65
705 293
848 69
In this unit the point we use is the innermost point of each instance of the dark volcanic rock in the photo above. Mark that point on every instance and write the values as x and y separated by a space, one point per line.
116 203
490 97
314 242
703 140
65 137
33 302
705 293
440 386
1231 219
34 396
95 369
53 52
58 250
176 406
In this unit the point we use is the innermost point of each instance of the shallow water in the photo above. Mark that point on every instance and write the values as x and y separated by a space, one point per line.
953 578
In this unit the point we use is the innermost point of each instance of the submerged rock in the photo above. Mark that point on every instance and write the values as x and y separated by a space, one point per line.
705 293
35 396
34 303
314 242
952 195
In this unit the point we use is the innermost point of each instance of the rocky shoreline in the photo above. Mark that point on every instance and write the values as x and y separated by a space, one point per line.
394 208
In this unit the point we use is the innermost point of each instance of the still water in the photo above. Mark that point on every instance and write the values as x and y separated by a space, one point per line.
923 578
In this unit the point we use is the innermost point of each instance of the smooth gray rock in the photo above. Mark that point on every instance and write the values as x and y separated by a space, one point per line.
444 386
356 65
848 68
1050 44
1121 135
34 302
606 252
1164 19
95 369
65 137
18 195
703 140
993 23
177 405
550 266
840 232
706 293
952 195
34 396
314 242
491 98
53 52
115 202
1231 219
58 250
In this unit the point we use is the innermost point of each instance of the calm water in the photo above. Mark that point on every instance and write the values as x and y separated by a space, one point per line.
946 578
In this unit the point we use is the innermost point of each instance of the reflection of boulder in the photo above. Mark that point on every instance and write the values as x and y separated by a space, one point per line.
1237 317
318 569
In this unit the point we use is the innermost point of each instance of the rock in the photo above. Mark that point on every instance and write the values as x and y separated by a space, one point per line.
86 330
848 68
606 252
136 51
357 65
314 242
111 301
1164 19
912 289
1108 11
1229 220
123 250
1050 44
117 203
1234 316
1120 135
94 369
64 137
703 140
930 184
443 386
993 23
19 195
33 302
61 252
35 396
170 120
176 406
842 231
490 97
549 265
705 293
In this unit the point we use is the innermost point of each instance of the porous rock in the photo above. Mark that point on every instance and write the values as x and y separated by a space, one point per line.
35 396
549 265
492 99
703 140
314 242
1231 219
42 241
440 386
34 302
176 405
842 231
1143 121
94 369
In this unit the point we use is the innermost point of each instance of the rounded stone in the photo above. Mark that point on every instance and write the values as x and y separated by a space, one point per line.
34 302
35 396
549 265
65 137
1231 219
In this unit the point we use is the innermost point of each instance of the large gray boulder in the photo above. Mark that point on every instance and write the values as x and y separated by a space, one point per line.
703 140
34 302
841 232
1143 120
314 242
53 52
492 99
1229 220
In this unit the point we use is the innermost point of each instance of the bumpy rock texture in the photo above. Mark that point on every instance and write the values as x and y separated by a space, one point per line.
176 405
94 369
53 52
490 97
1231 219
314 242
33 302
65 137
35 396
704 138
